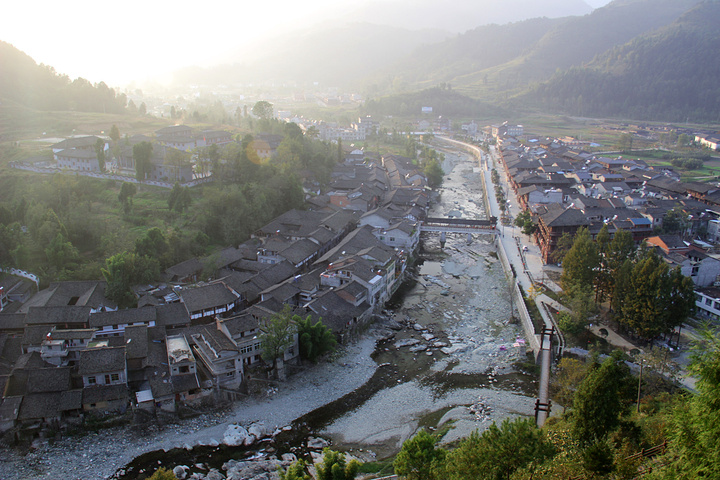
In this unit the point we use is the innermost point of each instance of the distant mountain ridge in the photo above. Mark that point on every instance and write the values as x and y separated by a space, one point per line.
666 74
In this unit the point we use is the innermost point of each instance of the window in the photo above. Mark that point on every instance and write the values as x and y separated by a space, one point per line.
115 377
91 380
246 349
185 369
708 301
230 374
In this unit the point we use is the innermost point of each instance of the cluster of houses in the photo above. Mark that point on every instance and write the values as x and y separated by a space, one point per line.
566 188
67 352
169 144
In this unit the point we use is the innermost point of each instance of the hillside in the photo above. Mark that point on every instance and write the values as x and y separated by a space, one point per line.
664 75
40 87
507 58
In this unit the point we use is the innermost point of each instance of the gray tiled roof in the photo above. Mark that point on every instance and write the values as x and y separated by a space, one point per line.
172 315
42 380
209 296
57 315
104 393
101 360
119 317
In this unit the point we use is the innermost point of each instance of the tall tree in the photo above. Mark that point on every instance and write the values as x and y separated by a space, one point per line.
315 339
125 270
499 451
601 399
419 458
142 153
581 262
152 245
334 466
277 334
127 191
434 173
100 153
564 244
694 447
263 110
114 134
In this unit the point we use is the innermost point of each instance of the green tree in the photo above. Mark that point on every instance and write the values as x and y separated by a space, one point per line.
177 159
675 221
581 262
621 285
603 277
263 109
142 153
694 447
499 451
335 467
568 377
61 253
601 399
100 153
277 334
152 245
127 191
657 299
419 459
125 270
163 473
315 339
564 244
625 142
296 471
434 173
312 132
180 198
114 134
525 222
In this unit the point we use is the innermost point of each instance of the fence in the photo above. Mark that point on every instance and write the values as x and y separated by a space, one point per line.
519 300
22 273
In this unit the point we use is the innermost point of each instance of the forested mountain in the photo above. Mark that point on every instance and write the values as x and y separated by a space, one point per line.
669 74
508 57
39 87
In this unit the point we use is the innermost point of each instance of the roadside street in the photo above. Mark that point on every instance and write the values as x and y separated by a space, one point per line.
522 252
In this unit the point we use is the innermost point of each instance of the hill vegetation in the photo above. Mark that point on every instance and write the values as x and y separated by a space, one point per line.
660 76
40 87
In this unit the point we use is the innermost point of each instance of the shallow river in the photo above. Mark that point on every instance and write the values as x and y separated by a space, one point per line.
456 357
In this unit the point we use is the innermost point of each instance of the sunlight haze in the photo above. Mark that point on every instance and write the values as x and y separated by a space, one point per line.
132 41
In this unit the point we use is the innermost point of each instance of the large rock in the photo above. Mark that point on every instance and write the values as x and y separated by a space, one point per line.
316 443
259 430
214 474
181 472
408 342
254 469
235 435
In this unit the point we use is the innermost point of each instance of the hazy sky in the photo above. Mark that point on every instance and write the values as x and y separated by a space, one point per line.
118 42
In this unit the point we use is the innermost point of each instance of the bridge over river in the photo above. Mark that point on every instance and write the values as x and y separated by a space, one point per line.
458 225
